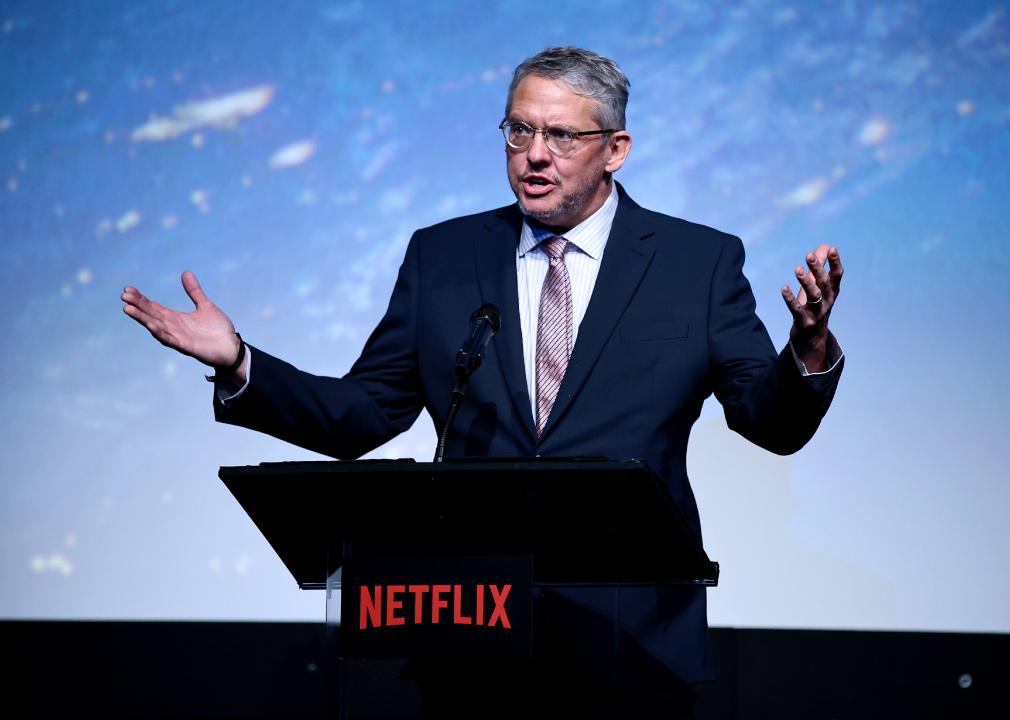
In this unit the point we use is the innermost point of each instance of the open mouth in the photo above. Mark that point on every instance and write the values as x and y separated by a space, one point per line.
534 185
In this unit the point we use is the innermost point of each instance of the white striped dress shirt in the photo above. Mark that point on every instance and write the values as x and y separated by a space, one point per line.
587 241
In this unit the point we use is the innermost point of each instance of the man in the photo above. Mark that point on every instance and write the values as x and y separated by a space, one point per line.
617 323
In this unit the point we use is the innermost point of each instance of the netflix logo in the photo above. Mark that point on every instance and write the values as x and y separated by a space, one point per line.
419 604
437 606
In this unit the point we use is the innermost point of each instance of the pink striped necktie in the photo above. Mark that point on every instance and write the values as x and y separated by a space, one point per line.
554 329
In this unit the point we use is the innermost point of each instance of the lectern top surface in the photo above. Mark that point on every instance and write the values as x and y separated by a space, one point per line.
584 520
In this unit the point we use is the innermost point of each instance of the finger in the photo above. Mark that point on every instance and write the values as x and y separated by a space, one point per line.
134 297
836 269
136 313
153 324
809 284
792 302
193 289
158 329
815 261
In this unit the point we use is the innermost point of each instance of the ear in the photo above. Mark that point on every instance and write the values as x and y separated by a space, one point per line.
618 147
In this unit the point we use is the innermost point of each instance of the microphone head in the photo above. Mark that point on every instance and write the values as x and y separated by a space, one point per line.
489 312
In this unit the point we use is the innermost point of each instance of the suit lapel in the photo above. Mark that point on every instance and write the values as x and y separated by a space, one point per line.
495 255
625 260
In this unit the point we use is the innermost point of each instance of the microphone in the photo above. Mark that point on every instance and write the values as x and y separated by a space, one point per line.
485 322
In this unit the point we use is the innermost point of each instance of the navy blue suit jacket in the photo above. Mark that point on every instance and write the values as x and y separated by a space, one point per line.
671 320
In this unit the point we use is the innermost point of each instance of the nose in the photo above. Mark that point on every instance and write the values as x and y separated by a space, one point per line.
537 153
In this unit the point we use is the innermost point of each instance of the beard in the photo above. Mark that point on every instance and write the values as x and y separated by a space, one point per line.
571 204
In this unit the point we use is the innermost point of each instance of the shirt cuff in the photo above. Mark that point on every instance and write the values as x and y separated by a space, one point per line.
224 398
834 356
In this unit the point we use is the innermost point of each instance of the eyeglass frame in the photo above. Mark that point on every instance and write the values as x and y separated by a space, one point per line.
543 133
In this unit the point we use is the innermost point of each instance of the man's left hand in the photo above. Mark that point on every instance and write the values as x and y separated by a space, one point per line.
812 307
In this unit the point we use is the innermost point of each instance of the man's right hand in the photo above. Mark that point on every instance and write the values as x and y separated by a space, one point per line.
205 334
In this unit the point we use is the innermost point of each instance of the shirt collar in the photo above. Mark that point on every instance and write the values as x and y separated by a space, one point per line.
589 236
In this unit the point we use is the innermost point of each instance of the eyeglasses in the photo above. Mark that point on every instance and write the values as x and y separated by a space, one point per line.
559 139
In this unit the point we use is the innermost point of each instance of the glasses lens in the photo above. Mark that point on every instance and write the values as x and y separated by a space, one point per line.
518 135
560 139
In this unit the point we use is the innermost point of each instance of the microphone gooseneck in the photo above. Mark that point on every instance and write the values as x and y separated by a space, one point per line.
485 322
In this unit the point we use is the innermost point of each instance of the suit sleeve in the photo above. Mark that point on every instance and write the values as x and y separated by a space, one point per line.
764 396
349 416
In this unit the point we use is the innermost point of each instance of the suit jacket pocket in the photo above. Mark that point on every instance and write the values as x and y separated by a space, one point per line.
639 329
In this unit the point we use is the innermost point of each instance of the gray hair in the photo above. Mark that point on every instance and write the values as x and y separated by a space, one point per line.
586 74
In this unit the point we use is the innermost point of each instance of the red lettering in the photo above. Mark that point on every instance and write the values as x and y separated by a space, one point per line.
419 592
458 618
370 608
437 603
392 604
371 611
499 606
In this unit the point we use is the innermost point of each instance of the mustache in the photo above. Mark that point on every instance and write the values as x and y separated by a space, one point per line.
553 179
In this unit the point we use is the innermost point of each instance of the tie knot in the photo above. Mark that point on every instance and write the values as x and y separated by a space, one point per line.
554 247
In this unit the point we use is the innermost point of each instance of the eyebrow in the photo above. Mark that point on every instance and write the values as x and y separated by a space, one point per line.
556 123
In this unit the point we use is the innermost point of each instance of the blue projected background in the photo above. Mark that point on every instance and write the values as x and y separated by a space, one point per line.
286 151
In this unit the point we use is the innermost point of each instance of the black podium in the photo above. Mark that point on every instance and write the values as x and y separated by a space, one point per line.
443 559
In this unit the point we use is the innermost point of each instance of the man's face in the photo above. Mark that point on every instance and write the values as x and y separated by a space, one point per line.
561 192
